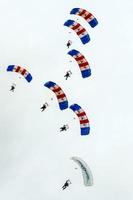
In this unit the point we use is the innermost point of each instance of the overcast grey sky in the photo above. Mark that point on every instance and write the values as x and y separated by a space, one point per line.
34 155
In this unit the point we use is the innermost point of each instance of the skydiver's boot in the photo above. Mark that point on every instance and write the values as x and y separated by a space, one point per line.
64 187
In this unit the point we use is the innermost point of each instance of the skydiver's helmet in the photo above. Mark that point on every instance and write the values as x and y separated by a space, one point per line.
46 104
68 181
70 72
67 127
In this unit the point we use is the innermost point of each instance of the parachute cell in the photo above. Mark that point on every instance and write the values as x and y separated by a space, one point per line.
86 172
82 62
80 31
20 70
86 15
62 99
83 119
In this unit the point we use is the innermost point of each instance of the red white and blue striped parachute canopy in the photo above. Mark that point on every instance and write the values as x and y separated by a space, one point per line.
83 119
79 29
61 97
82 62
86 15
20 70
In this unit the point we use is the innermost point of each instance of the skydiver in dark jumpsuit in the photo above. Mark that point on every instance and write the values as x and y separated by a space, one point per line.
66 184
69 43
12 87
68 74
44 107
63 128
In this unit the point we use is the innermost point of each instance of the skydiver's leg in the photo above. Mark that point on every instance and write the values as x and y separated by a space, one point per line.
43 108
64 187
68 44
62 129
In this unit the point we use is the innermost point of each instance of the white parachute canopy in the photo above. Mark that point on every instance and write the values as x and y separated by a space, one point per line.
86 172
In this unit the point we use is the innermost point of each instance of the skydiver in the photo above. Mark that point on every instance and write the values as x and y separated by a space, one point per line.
66 184
69 43
13 87
64 128
68 74
44 107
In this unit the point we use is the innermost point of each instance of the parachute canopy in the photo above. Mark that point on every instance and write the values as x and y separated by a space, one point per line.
83 119
80 31
62 100
20 70
82 62
86 15
86 172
